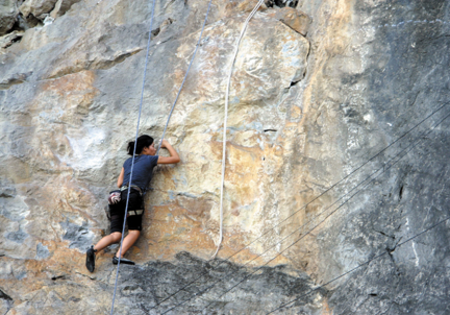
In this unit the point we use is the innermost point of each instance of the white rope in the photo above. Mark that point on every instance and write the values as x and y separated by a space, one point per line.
225 121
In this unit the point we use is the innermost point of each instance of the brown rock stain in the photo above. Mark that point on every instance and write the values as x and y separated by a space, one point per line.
177 227
326 308
332 25
75 90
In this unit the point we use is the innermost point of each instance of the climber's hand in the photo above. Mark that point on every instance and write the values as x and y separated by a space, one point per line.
164 144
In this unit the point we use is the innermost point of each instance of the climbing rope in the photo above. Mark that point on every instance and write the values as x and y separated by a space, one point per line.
134 153
225 122
320 195
185 76
414 144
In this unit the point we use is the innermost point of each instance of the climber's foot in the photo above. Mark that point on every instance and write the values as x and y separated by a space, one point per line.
90 259
125 261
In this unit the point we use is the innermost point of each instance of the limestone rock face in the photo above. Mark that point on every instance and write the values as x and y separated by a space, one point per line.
8 15
296 20
61 7
8 39
37 8
337 148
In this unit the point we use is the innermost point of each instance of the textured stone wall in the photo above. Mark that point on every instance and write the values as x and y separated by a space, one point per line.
319 88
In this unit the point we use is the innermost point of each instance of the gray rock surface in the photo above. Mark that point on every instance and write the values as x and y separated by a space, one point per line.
9 39
144 289
394 74
61 7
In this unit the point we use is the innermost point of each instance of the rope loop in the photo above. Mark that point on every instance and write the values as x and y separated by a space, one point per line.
224 148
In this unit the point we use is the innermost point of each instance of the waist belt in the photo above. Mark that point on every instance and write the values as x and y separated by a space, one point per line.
135 212
125 187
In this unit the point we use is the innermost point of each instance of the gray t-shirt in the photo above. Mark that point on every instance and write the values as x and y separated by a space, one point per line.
142 170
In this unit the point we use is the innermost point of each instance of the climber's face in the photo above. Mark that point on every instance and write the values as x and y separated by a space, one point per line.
150 150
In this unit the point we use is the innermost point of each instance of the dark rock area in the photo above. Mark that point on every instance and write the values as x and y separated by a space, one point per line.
6 302
194 286
20 15
406 82
78 235
8 15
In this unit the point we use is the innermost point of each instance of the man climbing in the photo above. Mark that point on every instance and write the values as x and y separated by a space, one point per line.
144 162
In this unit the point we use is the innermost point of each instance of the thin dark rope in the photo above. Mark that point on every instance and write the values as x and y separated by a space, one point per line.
134 154
309 202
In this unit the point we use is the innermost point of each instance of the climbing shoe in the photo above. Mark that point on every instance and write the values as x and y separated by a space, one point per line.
125 261
90 259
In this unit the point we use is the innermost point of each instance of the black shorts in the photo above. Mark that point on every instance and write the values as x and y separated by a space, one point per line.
118 212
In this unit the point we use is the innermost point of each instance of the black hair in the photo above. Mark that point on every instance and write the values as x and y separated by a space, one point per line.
142 142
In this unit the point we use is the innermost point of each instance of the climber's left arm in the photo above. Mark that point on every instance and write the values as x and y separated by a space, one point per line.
120 179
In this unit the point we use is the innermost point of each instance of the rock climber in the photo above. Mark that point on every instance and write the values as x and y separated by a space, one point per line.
145 161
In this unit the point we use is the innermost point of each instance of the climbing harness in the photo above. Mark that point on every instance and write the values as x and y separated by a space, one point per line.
224 148
115 195
137 188
134 153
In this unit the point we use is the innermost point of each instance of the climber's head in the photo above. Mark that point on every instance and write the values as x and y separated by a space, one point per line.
144 146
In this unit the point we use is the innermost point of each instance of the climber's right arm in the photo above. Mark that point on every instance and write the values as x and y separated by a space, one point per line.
173 158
